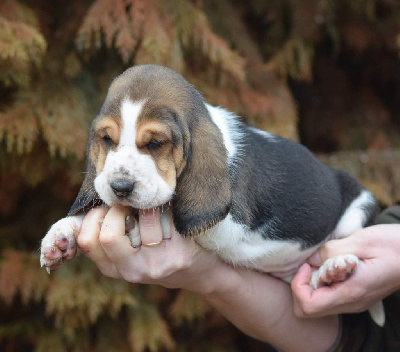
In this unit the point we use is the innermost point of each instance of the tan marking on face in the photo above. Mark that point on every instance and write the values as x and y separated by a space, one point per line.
166 157
148 130
107 126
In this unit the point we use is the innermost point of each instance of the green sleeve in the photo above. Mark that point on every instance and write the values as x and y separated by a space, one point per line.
389 216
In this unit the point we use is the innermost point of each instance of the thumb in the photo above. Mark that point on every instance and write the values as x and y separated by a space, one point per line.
302 277
150 226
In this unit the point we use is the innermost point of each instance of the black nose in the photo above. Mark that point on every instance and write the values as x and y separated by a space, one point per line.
122 188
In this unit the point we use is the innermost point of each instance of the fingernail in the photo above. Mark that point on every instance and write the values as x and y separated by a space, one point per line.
303 266
314 259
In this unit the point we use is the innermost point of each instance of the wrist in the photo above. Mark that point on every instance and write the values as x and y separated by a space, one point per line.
219 280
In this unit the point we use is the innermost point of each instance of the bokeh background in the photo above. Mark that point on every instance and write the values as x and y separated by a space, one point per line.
325 73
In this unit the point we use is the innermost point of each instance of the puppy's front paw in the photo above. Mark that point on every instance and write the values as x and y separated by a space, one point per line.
336 269
59 244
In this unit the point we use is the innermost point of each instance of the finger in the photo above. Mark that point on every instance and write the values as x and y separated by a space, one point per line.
301 282
113 240
306 304
302 292
88 241
362 243
150 226
334 248
88 237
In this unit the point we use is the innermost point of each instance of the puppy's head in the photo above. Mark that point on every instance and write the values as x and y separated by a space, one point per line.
154 142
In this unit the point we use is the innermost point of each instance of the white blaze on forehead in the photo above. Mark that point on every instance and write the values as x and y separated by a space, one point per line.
129 115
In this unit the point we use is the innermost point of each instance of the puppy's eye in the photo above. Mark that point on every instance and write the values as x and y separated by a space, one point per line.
154 145
107 140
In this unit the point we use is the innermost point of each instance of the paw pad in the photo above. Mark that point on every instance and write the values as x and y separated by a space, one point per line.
335 269
59 244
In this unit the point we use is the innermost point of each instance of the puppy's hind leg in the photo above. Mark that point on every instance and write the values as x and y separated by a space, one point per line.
338 269
335 269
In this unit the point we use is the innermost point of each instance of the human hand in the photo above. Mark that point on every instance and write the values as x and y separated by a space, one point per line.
376 276
180 263
174 263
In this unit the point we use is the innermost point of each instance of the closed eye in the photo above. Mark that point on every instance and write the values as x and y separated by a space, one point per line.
107 140
154 145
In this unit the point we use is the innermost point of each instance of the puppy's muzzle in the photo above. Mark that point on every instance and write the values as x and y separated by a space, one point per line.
122 188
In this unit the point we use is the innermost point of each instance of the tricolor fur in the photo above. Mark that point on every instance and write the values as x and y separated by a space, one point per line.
258 200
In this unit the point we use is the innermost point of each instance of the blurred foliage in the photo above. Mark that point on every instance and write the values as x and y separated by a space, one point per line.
324 72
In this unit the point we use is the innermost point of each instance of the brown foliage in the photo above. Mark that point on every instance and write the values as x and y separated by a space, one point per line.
330 67
21 43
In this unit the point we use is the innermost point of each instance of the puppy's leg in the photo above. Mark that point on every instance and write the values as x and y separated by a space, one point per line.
59 244
336 269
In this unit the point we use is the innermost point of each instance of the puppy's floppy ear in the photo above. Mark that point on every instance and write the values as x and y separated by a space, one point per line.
87 197
203 190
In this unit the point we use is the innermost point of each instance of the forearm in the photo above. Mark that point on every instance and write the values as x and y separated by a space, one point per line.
261 306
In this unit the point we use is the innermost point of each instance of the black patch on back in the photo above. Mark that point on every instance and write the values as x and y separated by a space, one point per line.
283 191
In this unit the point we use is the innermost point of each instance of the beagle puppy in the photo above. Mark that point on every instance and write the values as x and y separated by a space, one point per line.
260 201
